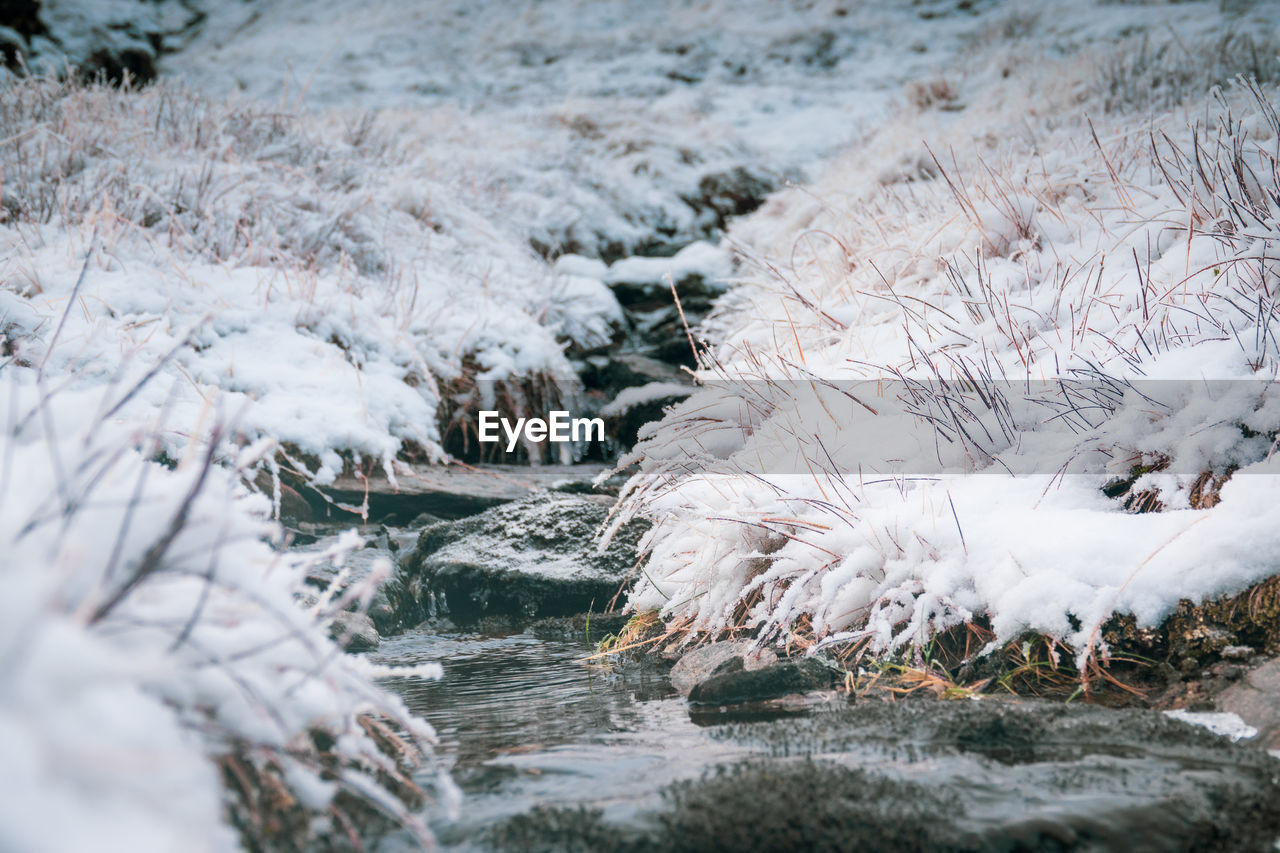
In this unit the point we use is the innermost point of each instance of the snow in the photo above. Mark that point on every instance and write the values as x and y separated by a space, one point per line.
363 219
333 291
150 628
1109 283
637 395
712 263
1220 723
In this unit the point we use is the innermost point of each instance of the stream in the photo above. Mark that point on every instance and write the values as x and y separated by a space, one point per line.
556 753
523 721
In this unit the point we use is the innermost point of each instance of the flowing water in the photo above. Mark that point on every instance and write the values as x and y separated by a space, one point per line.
524 722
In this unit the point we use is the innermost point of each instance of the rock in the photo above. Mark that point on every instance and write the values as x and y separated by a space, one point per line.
391 608
714 658
1256 699
924 775
627 415
531 558
733 192
732 685
1239 653
454 491
700 271
114 40
293 506
614 374
355 632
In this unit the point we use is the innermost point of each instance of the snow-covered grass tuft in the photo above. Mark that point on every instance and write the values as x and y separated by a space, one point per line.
1009 291
161 682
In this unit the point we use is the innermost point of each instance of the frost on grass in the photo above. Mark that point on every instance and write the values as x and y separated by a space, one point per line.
351 296
1008 293
162 684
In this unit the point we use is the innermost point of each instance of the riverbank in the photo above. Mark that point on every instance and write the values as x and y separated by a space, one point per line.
932 341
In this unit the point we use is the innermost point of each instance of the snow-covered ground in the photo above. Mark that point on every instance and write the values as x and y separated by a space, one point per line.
1091 215
335 225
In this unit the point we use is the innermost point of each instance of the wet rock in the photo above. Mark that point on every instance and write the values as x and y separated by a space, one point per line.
617 373
531 558
1078 777
703 662
1237 653
629 370
1256 699
293 506
391 608
950 776
549 829
355 632
700 272
763 805
733 684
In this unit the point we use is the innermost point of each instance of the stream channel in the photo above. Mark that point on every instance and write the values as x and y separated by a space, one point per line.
555 751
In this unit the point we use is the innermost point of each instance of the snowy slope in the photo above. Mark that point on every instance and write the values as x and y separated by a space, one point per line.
1028 250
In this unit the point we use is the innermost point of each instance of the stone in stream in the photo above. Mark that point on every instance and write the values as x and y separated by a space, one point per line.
451 491
111 39
627 415
700 272
355 632
733 684
531 558
591 628
390 608
703 662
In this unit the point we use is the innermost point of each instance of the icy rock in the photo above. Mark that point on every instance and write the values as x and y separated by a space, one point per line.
717 658
355 632
531 558
733 683
732 192
1221 723
453 491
